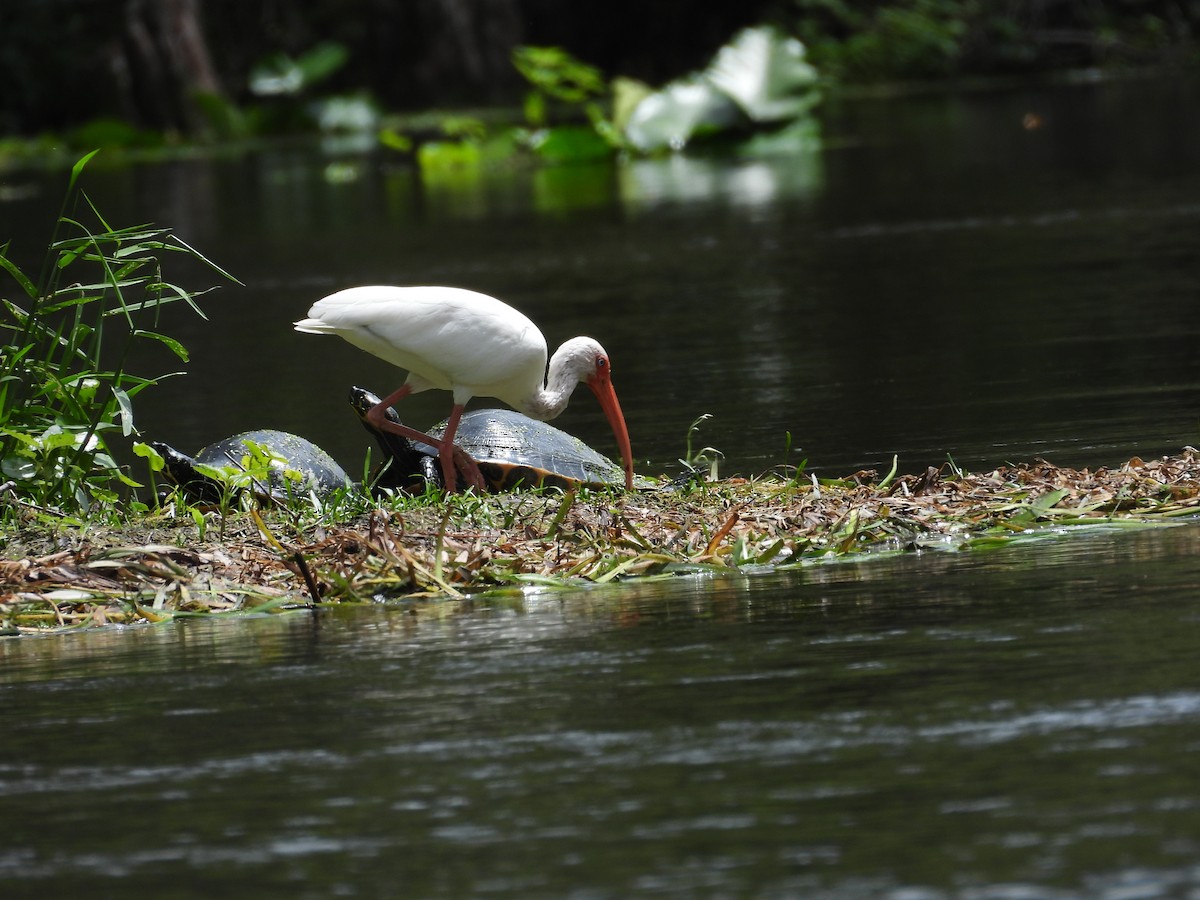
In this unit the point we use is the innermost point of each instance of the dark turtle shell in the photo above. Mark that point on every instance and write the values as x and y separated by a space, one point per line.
512 450
515 451
319 472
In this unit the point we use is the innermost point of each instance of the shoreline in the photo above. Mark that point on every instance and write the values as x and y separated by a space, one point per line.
464 545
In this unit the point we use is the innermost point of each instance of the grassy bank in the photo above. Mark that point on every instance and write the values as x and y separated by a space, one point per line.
439 548
86 541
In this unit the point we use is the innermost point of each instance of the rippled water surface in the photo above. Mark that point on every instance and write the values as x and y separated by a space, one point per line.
1019 723
943 278
939 279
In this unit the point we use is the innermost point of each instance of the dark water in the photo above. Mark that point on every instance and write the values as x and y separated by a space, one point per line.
1015 724
938 280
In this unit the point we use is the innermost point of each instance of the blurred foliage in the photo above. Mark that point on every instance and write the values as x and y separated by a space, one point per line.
760 79
279 73
79 76
554 73
853 40
555 76
287 95
569 144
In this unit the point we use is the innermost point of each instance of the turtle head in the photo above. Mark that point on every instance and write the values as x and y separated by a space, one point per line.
402 464
363 401
179 468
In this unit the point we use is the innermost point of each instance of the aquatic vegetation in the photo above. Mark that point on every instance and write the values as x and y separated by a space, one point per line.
265 466
553 73
438 547
217 79
761 77
64 385
857 41
696 461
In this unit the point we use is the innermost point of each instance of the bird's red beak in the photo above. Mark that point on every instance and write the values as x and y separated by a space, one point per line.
601 385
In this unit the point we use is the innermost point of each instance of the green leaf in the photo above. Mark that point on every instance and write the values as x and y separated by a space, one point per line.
77 169
96 212
20 436
173 345
571 143
444 157
395 140
1050 499
535 108
321 61
126 480
54 438
196 254
557 73
18 467
217 473
188 297
126 410
66 257
10 267
153 457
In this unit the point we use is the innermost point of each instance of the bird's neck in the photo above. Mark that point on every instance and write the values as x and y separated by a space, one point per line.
547 402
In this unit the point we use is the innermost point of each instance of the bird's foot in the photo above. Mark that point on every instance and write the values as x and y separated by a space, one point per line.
468 471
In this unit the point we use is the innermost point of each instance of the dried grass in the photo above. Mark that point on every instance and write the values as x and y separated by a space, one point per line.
461 545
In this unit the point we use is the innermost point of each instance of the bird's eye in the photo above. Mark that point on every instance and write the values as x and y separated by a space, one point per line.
601 363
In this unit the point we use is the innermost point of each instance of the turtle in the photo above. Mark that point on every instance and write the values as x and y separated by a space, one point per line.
289 453
513 451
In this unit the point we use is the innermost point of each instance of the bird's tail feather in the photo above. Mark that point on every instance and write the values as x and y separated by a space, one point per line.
315 326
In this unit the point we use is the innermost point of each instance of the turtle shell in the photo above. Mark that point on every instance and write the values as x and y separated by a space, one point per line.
319 472
512 450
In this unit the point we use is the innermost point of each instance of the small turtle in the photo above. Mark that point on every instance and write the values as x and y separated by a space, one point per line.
512 450
290 453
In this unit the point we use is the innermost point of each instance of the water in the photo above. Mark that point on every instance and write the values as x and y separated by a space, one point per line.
939 280
1012 724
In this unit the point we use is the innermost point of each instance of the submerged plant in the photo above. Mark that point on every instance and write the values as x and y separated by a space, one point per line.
706 457
64 385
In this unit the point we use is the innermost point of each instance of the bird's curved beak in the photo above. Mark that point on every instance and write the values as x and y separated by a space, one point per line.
602 387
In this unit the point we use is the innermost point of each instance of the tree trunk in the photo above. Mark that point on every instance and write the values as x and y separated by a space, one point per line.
164 66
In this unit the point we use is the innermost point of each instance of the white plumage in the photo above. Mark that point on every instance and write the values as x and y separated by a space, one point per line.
472 345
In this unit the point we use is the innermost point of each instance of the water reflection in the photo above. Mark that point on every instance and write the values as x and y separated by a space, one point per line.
1015 723
938 280
751 184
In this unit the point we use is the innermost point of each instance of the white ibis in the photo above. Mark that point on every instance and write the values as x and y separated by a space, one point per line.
473 345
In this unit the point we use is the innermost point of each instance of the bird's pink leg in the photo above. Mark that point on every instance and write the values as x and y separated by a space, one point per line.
457 457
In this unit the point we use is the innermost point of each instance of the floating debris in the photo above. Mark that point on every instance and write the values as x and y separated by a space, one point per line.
460 545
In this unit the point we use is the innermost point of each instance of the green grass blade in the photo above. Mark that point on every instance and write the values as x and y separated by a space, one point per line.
126 410
11 268
169 342
192 251
77 169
